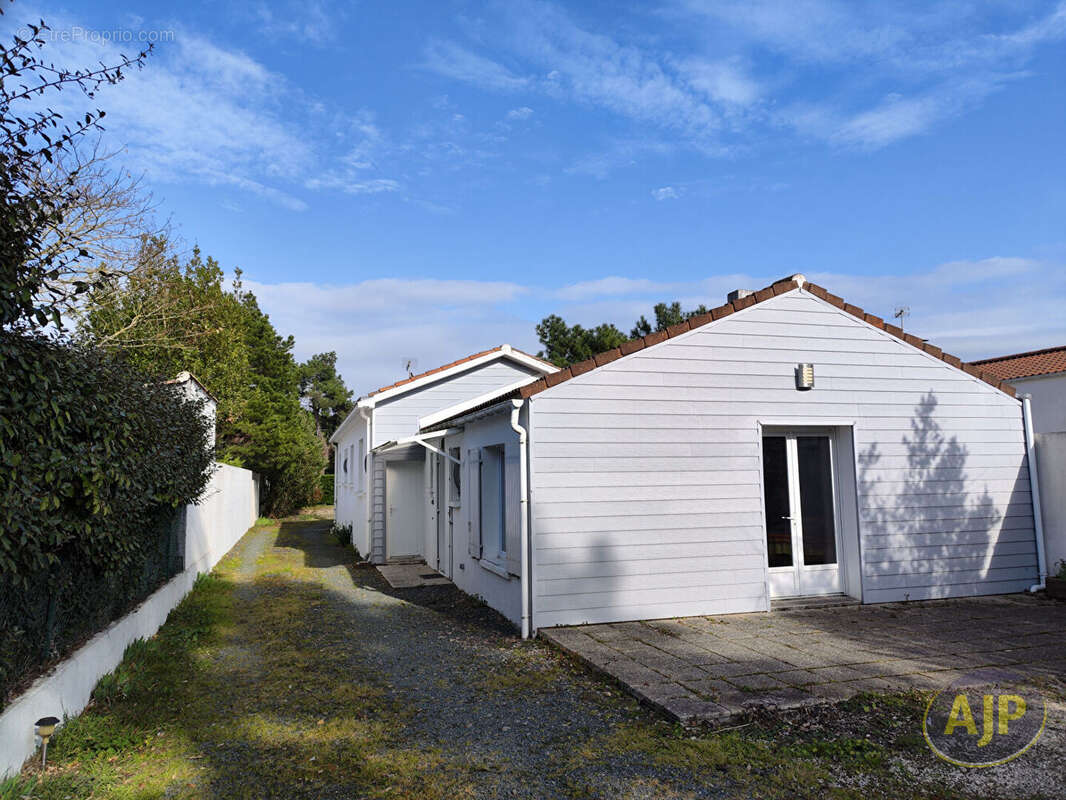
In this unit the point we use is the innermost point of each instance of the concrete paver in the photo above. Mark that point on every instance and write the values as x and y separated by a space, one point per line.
708 668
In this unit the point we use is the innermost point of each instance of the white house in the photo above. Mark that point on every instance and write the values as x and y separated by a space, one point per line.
191 388
383 484
1042 375
784 444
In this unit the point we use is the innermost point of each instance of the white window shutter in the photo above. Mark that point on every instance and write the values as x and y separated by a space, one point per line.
472 499
513 514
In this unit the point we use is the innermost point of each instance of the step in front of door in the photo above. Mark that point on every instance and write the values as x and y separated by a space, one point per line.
817 601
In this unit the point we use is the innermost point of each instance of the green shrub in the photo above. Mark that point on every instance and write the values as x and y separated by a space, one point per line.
97 462
342 533
325 483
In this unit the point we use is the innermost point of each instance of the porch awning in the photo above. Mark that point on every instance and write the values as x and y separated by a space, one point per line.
420 439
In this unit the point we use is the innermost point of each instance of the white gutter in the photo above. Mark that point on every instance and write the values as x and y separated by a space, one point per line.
523 518
1034 487
466 405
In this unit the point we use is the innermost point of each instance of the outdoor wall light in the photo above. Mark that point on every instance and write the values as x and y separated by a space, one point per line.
45 727
804 377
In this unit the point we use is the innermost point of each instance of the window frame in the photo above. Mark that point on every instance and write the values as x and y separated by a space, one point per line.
493 542
360 467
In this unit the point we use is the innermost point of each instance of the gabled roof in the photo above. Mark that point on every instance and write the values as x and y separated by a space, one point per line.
503 350
780 287
1026 365
186 377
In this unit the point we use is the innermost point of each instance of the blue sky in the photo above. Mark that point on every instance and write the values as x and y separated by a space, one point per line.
429 179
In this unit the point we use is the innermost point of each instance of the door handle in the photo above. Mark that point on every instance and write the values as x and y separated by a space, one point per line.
788 517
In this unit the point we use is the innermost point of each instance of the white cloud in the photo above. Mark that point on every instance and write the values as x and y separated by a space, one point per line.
666 193
375 324
202 113
518 114
973 308
617 155
928 65
454 61
199 112
614 285
311 21
343 183
723 81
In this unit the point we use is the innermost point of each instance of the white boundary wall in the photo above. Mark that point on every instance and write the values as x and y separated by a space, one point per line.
229 507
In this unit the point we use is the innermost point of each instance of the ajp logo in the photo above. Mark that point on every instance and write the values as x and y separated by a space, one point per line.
984 720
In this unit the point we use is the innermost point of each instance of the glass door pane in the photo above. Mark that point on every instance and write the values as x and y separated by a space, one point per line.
778 513
816 500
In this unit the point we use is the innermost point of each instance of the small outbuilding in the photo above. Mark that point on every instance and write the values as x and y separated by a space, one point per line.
786 444
1042 375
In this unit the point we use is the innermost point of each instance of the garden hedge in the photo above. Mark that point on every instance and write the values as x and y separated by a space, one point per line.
97 462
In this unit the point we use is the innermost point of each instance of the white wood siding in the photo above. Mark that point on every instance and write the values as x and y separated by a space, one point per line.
350 501
500 591
648 492
398 417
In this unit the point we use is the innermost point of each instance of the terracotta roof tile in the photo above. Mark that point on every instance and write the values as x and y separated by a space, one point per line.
531 389
855 311
558 377
608 357
700 319
1025 365
676 330
1057 356
443 367
581 367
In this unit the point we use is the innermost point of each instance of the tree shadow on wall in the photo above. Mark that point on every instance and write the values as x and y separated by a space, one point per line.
928 522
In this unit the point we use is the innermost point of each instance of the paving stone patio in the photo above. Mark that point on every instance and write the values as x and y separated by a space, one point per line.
411 575
711 668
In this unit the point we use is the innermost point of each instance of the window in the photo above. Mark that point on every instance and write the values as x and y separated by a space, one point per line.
456 473
360 466
493 505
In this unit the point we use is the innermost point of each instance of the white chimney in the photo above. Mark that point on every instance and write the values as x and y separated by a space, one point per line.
737 294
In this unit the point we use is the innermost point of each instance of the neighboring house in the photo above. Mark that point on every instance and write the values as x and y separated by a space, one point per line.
1042 375
382 477
784 444
191 388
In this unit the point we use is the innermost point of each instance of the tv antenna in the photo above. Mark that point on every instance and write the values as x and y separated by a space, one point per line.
900 313
409 366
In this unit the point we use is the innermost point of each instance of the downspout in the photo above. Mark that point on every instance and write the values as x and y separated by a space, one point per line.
1034 488
523 518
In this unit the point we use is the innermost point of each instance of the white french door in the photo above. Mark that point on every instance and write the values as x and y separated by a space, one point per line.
802 531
